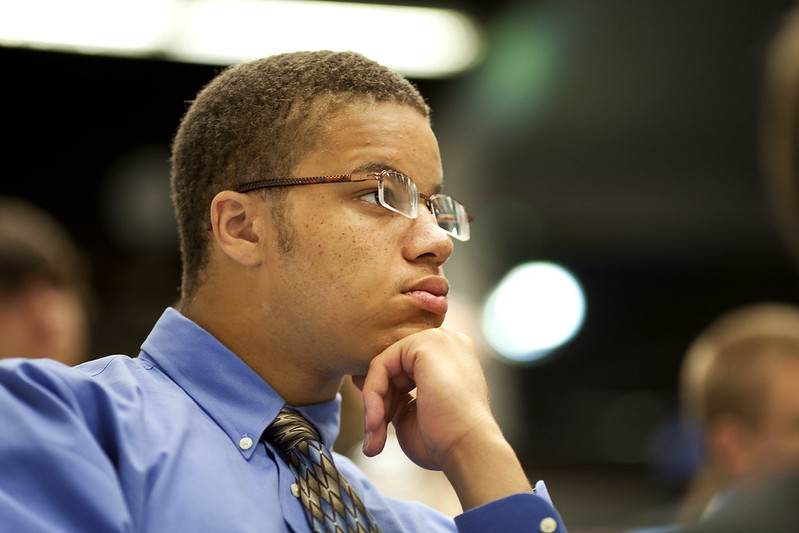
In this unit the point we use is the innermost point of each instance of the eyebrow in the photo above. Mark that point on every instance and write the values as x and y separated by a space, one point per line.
378 166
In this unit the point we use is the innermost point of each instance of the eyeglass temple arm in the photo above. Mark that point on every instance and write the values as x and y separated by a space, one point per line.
264 184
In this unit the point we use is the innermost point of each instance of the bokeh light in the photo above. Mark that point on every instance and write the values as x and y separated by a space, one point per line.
535 308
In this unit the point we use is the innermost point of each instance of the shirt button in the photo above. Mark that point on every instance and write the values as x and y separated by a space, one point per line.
548 525
245 443
295 490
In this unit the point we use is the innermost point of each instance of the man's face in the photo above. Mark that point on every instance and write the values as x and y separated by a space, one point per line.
775 441
358 277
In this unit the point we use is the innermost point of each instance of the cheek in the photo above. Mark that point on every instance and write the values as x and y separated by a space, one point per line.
347 259
780 442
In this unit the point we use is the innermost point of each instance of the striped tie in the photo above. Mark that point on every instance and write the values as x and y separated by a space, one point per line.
331 504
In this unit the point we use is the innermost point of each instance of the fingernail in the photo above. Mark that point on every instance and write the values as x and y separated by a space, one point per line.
365 442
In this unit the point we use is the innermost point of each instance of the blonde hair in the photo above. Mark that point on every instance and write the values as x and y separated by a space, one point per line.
726 369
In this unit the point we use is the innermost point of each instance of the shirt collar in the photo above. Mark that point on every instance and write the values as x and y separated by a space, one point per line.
233 395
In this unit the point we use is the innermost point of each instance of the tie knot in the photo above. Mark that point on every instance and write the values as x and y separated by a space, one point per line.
331 504
289 429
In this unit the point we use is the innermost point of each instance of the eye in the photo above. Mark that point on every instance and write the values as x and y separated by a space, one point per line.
371 197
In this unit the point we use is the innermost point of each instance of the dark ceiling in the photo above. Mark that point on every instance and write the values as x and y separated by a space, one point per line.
618 138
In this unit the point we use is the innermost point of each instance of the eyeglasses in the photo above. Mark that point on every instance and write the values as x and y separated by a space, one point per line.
396 192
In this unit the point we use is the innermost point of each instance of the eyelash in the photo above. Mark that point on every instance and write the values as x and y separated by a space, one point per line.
373 194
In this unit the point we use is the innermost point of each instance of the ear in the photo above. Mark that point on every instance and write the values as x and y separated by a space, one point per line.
731 445
236 226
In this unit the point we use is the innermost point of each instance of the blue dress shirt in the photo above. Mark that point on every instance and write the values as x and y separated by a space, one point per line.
169 441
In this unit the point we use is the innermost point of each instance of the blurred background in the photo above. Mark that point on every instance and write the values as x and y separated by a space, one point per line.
613 141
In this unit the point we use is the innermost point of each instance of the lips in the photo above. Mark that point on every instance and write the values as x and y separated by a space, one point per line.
429 294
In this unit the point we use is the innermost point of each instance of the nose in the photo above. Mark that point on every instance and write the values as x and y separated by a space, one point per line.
427 241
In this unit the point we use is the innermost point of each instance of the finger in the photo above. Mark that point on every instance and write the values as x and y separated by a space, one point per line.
375 425
383 390
375 389
381 385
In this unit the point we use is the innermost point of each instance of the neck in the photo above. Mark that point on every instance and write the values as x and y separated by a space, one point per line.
273 357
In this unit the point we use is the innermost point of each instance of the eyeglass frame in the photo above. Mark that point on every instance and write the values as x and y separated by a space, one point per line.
347 178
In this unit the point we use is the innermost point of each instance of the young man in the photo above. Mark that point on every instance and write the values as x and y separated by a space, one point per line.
313 233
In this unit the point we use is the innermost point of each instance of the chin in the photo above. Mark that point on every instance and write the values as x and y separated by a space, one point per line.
409 329
397 333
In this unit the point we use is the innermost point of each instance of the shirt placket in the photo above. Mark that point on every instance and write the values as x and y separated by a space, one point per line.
290 505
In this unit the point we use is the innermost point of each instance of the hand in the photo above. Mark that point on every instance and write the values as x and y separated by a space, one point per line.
431 386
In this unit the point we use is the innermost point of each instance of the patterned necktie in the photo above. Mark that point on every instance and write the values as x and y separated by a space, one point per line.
331 504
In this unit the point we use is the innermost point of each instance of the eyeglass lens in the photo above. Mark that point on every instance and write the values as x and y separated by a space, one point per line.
451 216
399 193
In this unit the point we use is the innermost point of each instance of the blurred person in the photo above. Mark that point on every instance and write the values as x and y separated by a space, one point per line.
739 385
772 506
770 495
43 308
779 133
740 382
313 231
741 379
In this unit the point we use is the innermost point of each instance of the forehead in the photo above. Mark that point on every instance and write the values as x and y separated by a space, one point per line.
372 134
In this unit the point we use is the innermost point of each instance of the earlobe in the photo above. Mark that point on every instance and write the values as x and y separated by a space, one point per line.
233 222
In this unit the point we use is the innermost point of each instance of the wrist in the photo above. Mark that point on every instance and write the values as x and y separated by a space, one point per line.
483 467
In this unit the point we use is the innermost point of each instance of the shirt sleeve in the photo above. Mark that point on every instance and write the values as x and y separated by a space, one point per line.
518 513
55 474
